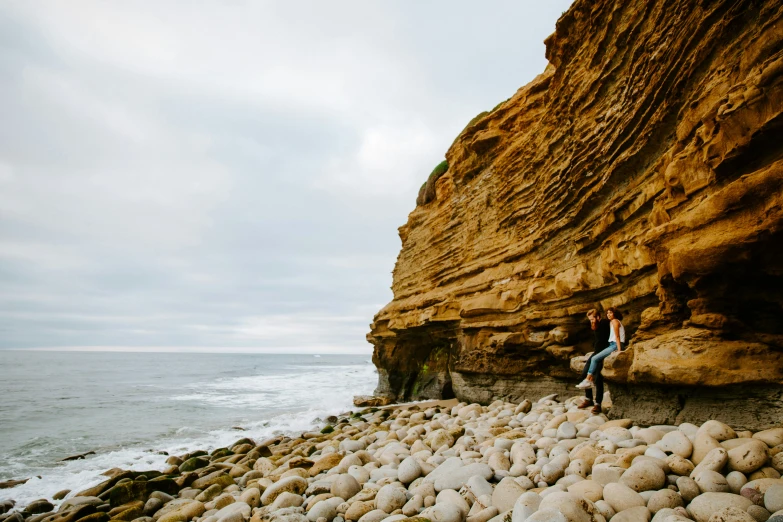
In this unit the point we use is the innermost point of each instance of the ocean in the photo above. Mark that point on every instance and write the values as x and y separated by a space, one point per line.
130 407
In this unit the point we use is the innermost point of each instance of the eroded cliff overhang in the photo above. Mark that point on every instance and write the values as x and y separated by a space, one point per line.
642 169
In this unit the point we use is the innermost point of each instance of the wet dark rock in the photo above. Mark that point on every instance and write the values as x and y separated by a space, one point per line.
220 453
198 453
73 514
38 506
95 517
152 506
106 484
127 511
12 483
78 457
125 492
193 464
78 501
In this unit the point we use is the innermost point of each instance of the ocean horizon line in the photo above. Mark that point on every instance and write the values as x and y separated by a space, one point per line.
200 349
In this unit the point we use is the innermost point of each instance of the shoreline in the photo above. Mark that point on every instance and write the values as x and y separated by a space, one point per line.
447 461
138 406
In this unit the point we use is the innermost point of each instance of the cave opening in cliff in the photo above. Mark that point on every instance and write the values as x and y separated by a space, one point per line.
448 389
747 292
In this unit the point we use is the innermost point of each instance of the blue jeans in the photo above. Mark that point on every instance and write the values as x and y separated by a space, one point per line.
598 359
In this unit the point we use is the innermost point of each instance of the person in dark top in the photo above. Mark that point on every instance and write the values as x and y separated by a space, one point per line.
600 328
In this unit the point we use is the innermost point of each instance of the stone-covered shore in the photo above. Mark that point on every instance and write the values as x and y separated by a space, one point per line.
546 461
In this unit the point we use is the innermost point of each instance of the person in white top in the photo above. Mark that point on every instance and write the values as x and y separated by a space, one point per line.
616 342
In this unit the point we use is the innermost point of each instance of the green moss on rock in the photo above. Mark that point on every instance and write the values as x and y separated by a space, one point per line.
193 464
126 492
165 484
95 517
427 190
219 453
220 478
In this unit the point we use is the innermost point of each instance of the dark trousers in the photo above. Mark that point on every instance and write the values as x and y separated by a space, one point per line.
598 380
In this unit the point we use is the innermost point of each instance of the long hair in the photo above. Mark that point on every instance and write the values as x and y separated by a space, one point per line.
617 313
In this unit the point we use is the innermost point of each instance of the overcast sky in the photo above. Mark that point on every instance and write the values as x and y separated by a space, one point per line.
179 175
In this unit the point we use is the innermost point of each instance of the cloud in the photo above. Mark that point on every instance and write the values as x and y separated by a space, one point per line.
230 176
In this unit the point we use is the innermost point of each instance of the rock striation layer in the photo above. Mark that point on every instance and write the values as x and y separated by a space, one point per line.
642 169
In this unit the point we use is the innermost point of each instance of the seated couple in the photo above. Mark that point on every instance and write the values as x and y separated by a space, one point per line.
609 336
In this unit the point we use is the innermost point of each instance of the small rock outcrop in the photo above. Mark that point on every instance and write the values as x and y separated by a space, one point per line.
642 169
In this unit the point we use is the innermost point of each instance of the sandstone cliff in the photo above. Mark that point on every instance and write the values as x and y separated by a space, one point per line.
642 169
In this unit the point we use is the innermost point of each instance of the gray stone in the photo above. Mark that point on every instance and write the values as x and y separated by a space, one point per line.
345 486
358 509
676 442
526 505
443 512
484 515
705 505
711 481
566 430
604 509
456 478
251 497
408 470
390 497
621 497
575 508
607 473
589 489
352 445
688 488
506 494
644 476
452 497
759 513
376 515
547 515
664 499
662 514
736 480
679 465
296 485
773 498
152 506
713 460
478 486
292 514
286 500
731 514
748 457
324 509
634 514
234 512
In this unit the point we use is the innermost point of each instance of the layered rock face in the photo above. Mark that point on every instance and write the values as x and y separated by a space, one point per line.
643 169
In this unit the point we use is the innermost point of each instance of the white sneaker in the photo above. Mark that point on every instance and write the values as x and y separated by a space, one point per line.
585 384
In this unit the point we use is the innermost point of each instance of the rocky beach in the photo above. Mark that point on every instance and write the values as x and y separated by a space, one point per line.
641 170
444 461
